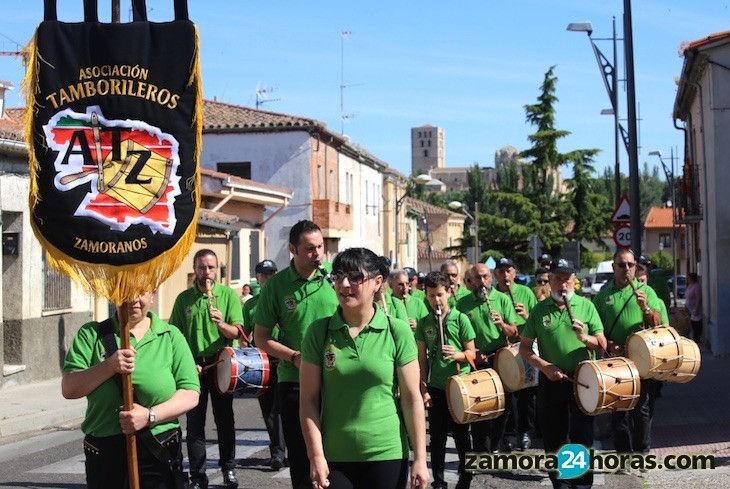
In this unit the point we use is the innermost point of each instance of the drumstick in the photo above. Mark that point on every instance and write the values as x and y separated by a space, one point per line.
211 365
568 378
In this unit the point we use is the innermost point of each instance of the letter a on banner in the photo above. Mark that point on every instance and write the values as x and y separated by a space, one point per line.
114 129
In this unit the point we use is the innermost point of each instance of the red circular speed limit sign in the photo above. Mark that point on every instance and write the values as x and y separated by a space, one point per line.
622 236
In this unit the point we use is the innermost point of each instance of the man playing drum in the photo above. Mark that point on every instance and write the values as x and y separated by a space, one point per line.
269 410
563 345
622 312
493 318
442 341
523 300
209 317
293 299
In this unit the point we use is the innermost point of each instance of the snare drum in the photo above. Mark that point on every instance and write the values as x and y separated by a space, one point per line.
689 366
604 386
655 351
239 369
513 370
476 396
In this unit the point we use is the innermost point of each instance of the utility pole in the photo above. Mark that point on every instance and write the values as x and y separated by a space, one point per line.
634 193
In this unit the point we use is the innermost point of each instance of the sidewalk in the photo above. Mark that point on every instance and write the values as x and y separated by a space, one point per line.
34 407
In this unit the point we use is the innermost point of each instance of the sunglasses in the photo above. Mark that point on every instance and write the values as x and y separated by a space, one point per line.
541 282
354 278
626 265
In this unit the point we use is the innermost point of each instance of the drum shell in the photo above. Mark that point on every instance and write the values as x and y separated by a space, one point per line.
514 371
655 351
484 387
618 384
247 369
690 365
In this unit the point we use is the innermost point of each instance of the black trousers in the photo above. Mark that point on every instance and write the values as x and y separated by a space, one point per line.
439 423
385 474
696 331
272 419
562 422
106 462
632 429
288 399
222 405
493 430
526 402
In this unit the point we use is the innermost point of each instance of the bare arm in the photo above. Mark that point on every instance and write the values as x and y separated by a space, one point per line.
138 417
81 383
423 373
415 420
310 387
229 331
262 337
550 370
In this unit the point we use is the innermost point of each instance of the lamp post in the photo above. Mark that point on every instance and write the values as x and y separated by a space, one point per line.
456 205
610 80
669 175
420 179
631 141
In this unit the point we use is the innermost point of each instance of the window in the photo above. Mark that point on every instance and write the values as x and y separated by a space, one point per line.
419 134
56 288
665 241
425 153
429 143
254 253
320 182
331 185
236 257
422 143
240 169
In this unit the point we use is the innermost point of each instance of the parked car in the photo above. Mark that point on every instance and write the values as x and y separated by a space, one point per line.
604 273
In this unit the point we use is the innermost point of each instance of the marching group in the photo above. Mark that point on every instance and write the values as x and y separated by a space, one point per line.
360 358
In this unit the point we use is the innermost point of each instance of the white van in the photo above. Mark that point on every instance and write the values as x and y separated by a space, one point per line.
604 273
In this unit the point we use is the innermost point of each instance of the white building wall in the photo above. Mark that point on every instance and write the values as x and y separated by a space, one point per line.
367 204
282 159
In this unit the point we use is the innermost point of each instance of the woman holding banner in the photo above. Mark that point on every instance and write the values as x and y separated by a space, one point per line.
165 386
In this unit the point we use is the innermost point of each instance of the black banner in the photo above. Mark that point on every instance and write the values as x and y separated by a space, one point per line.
116 121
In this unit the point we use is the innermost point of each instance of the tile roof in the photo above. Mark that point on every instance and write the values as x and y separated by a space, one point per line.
11 125
704 41
659 218
219 116
245 181
427 208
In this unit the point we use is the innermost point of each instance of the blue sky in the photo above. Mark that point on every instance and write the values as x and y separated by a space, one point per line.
467 66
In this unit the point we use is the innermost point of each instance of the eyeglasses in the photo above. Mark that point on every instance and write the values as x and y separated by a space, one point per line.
354 278
541 282
626 264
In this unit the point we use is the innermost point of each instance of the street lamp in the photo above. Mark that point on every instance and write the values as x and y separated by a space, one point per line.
420 179
669 175
456 205
610 79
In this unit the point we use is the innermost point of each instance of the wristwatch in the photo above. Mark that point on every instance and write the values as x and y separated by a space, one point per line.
152 416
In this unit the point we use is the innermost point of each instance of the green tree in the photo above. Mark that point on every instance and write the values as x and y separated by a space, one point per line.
662 259
590 209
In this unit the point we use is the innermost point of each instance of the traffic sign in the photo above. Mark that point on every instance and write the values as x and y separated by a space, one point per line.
622 212
622 236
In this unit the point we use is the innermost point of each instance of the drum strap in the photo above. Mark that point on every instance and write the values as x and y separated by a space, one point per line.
615 320
108 339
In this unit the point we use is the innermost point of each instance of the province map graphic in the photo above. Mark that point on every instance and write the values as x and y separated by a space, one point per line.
129 166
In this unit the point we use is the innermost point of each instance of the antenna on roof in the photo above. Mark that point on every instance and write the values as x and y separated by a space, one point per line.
262 95
344 115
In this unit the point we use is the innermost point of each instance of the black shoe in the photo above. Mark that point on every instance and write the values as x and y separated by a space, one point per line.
229 479
198 484
506 446
276 463
525 441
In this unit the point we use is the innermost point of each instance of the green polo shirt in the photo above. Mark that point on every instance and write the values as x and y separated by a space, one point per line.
553 330
360 415
461 291
162 365
523 295
415 308
657 280
249 311
396 308
190 313
418 294
457 331
610 301
293 303
489 336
